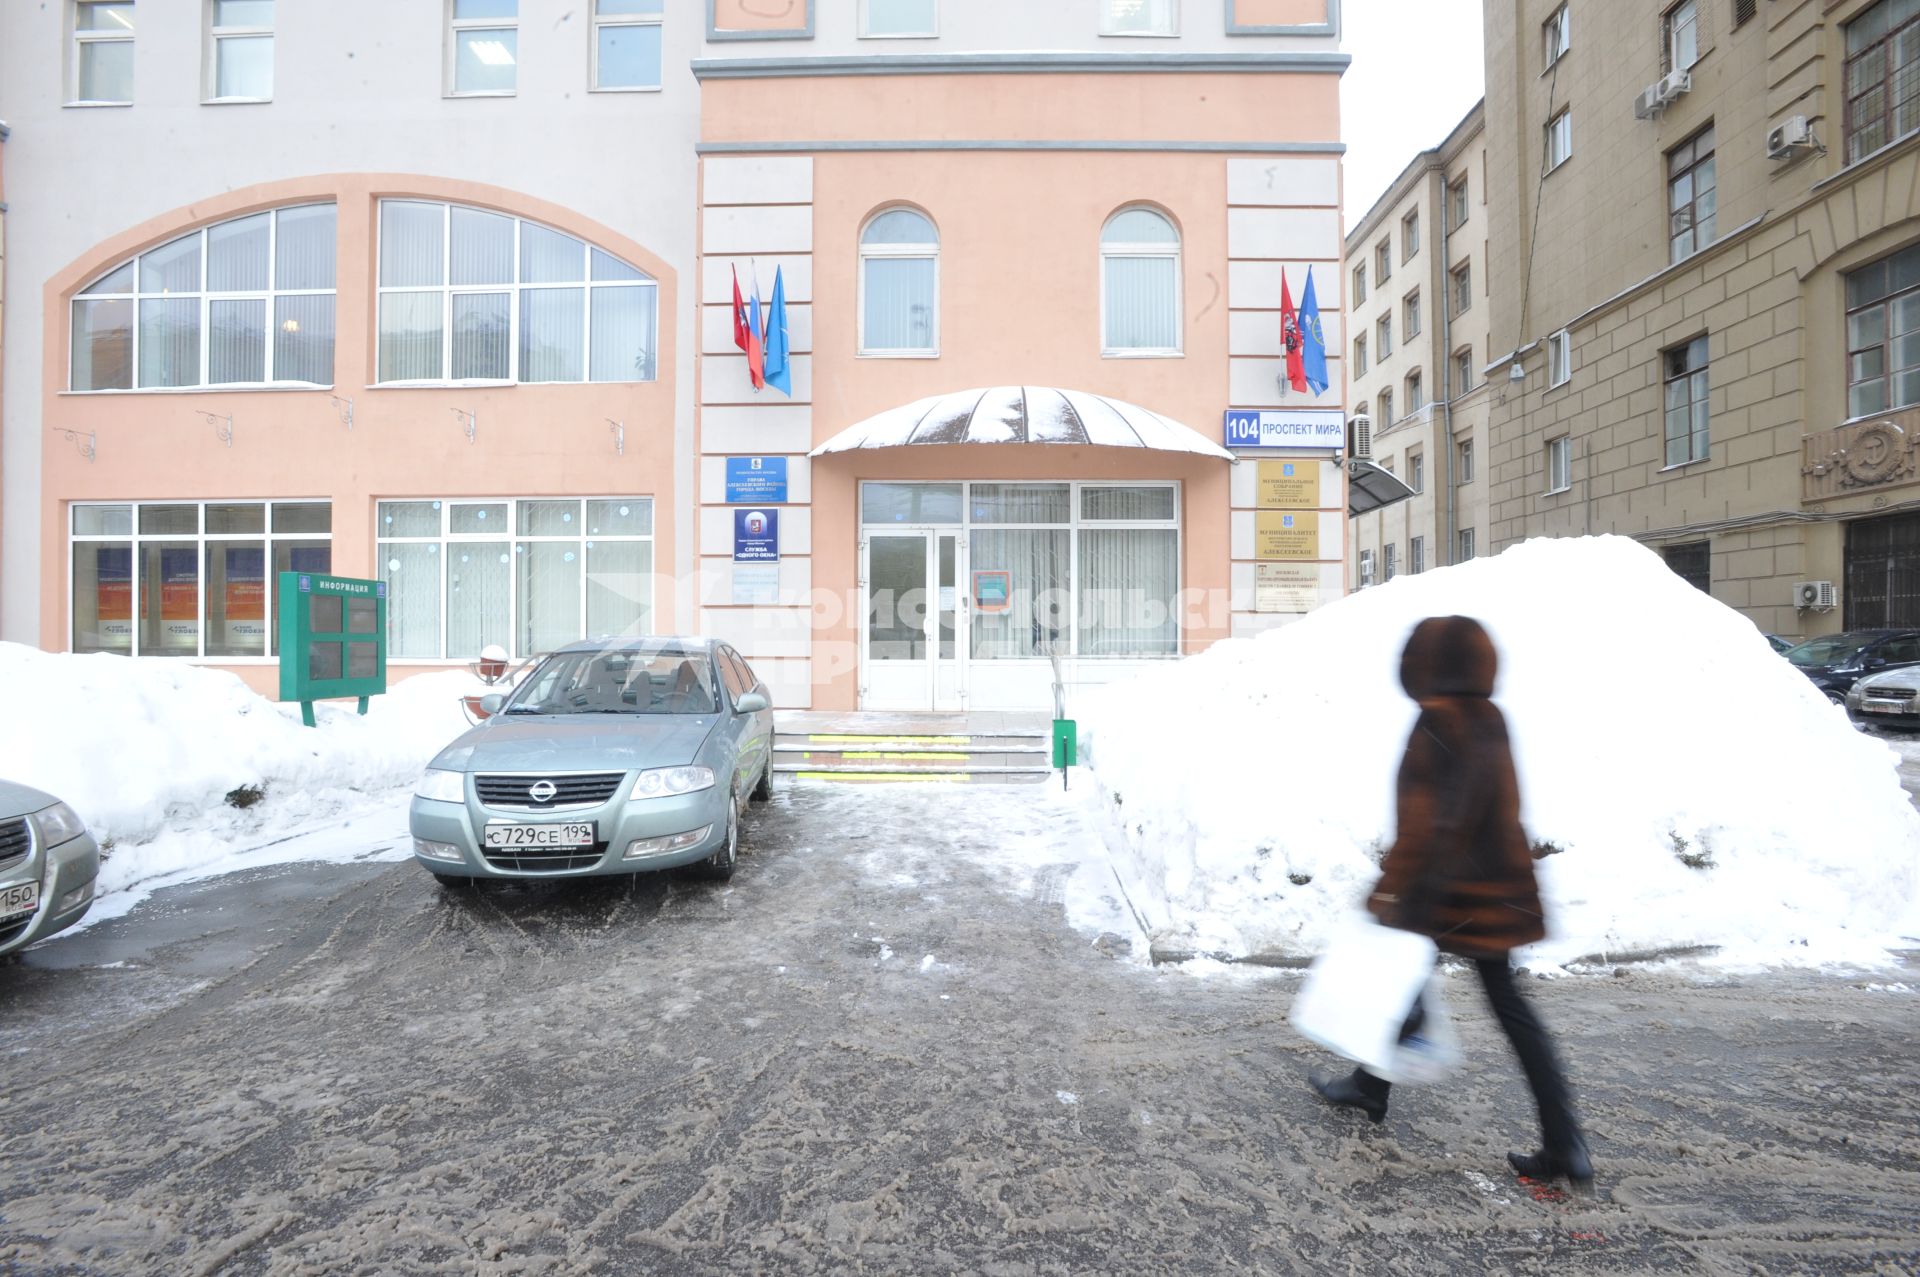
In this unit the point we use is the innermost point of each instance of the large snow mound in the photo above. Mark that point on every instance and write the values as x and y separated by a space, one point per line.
1688 785
147 751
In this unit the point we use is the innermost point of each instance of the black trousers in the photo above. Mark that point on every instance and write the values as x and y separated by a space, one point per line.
1559 1130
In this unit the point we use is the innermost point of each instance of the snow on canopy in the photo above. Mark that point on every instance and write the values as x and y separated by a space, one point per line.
1687 786
1022 414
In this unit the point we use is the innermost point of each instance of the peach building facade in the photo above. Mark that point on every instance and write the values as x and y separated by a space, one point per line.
446 300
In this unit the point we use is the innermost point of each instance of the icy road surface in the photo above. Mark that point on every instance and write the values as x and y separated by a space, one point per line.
883 1048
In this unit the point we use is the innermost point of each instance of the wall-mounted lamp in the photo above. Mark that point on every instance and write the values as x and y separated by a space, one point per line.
469 422
619 429
344 407
86 443
1514 371
222 426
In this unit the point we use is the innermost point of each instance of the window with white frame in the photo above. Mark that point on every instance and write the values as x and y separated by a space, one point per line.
1416 556
1416 391
1883 334
466 295
1359 283
483 47
1456 202
1466 545
239 50
1417 471
1686 402
1410 236
1139 17
626 44
1680 36
1360 355
1461 280
1383 261
527 573
1410 316
1559 464
244 302
883 18
1366 568
1384 415
188 578
1463 462
1559 140
1383 337
1559 359
1140 281
102 69
1556 36
1692 194
900 284
1882 76
1463 371
1391 562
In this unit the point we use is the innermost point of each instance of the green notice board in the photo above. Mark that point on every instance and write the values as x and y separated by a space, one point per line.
333 639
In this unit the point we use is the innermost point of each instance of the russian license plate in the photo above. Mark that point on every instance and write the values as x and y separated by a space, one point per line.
1884 707
20 898
577 834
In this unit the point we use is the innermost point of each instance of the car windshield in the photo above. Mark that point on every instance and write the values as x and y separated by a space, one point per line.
630 680
1835 649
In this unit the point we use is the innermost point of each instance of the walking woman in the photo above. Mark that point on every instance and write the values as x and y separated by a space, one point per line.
1460 871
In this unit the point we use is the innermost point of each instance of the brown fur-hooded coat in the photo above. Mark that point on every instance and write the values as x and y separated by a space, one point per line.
1460 869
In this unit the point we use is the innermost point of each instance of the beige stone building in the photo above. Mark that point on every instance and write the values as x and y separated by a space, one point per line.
1706 218
1417 278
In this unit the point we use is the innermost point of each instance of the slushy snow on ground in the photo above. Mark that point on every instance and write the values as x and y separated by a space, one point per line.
1689 786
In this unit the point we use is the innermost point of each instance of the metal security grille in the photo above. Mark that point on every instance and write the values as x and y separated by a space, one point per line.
1883 572
1692 562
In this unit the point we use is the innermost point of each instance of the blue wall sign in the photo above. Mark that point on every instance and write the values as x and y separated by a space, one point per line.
1285 428
756 480
756 536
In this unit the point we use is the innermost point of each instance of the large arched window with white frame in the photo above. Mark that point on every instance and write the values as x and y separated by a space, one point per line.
1139 284
900 284
244 302
471 295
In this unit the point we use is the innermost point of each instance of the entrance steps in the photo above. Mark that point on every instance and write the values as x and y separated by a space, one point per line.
876 747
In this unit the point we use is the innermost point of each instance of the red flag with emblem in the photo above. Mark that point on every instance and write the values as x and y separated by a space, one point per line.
1290 338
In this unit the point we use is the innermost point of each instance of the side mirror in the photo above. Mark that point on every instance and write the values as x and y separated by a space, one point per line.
491 703
751 703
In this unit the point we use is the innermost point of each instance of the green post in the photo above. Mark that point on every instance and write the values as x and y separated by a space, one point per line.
1066 746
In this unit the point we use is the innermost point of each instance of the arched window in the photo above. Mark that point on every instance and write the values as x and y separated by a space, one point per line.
239 303
900 285
471 295
1140 284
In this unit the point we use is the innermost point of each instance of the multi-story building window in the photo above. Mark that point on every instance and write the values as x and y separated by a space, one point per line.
1360 355
1417 471
626 44
1366 568
1410 316
899 18
1686 402
240 50
1463 462
189 578
1416 556
1692 196
1883 334
1559 464
1680 36
240 303
526 573
483 47
1883 76
1383 338
1139 17
1140 279
900 285
1456 202
1359 283
1391 564
1556 36
1416 391
1559 139
1410 236
1385 413
1383 261
1462 371
1692 562
468 295
1461 281
1559 358
102 69
1466 546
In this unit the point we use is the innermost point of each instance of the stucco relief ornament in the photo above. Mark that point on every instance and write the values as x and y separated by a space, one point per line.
1879 452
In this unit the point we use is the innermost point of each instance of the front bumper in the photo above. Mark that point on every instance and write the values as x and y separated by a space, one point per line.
68 869
617 824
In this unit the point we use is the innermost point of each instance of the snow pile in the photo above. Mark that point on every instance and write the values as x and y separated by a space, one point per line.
1690 787
148 750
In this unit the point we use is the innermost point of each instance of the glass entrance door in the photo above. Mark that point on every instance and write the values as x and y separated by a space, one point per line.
911 644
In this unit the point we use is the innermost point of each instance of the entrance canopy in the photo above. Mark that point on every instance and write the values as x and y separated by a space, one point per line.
1022 414
1370 488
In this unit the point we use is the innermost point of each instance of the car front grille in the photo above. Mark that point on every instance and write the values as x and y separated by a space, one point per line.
16 840
571 789
544 860
10 931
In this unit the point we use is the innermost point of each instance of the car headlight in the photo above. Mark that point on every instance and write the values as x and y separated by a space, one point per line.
57 824
665 782
442 786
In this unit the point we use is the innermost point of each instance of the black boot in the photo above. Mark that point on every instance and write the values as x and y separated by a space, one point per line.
1358 1089
1571 1163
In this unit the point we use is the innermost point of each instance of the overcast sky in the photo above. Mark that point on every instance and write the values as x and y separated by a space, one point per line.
1417 68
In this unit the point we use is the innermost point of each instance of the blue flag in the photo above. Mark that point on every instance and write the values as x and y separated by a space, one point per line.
779 367
1313 342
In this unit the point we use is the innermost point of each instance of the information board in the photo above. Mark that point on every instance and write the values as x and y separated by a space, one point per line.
333 639
756 480
1288 485
1280 534
1285 587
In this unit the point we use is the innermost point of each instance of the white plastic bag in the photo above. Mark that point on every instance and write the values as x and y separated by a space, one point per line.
1357 997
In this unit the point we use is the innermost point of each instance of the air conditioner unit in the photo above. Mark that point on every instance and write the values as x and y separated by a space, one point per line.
1654 98
1360 439
1789 137
1815 596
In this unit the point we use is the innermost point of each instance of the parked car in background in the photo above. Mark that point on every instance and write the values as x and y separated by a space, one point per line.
1888 699
1779 644
613 756
48 863
1835 663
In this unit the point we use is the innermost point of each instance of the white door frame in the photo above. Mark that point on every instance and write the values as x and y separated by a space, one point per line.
936 684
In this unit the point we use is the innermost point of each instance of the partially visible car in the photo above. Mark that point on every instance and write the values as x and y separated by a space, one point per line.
48 864
1838 661
1889 699
1779 644
611 756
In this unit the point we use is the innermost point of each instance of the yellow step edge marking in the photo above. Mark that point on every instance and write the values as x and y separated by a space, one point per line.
888 777
900 736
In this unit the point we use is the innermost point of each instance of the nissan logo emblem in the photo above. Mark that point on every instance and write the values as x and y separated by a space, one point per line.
542 790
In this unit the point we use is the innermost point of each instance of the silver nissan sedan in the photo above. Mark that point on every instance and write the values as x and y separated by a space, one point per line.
612 756
48 863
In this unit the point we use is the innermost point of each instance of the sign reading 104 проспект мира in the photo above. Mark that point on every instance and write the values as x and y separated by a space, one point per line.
1284 428
333 639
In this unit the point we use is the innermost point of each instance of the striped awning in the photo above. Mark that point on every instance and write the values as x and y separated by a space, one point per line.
1022 414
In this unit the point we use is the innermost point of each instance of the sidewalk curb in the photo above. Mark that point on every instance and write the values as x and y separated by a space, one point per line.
1166 955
